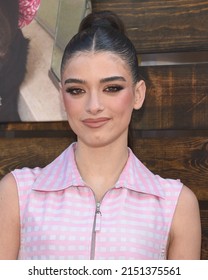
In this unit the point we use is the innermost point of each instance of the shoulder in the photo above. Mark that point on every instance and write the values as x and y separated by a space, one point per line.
185 233
9 218
15 187
8 193
26 174
187 201
7 185
187 209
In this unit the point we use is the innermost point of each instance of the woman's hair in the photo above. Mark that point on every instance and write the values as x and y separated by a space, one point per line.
5 35
9 12
103 32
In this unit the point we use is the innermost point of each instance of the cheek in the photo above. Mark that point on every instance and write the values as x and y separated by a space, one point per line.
71 106
125 103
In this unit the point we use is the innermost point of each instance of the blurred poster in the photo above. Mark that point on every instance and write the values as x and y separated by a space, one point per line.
31 47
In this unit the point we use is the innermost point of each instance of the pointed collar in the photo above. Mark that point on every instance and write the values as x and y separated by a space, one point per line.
63 173
137 177
60 173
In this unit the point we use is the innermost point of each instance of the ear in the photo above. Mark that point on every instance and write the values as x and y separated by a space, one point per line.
140 90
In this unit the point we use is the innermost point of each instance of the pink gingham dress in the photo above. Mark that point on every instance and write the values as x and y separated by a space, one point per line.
60 218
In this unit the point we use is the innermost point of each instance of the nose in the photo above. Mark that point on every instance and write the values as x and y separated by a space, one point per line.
94 104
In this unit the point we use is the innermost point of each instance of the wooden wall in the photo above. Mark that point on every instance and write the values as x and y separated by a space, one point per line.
171 130
162 26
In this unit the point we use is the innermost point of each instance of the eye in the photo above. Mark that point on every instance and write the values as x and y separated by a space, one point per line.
113 89
75 91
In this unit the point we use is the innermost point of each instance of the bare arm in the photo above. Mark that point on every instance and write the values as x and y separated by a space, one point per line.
185 234
9 219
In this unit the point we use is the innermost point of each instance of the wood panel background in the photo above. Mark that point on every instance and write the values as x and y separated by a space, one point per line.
162 26
171 130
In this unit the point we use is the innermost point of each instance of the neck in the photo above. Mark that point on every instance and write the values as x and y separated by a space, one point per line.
100 167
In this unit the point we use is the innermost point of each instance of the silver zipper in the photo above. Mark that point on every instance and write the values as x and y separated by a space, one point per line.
96 224
96 228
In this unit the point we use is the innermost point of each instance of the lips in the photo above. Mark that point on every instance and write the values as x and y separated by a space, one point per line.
95 123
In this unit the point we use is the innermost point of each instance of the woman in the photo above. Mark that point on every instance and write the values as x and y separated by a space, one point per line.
97 200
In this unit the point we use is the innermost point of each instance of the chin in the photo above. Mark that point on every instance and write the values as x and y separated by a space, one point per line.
92 142
100 142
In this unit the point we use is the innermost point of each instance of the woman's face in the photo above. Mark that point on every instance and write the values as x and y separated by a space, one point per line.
99 97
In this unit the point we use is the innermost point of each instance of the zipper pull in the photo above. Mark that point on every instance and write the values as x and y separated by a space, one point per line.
98 216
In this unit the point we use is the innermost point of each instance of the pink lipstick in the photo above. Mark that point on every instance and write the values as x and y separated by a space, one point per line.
95 123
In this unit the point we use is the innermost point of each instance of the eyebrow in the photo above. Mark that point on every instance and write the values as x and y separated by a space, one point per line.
74 80
112 79
104 80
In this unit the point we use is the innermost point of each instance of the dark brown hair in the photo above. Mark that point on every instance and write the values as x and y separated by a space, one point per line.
103 31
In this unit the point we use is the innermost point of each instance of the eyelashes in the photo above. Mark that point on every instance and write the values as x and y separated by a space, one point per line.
79 91
113 89
75 91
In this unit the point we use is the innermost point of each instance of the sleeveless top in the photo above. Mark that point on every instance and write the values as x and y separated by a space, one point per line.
60 218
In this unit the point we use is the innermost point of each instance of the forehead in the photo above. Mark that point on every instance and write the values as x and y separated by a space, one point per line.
97 62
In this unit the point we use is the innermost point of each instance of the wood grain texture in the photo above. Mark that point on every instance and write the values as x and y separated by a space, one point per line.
177 97
162 26
34 126
29 152
184 158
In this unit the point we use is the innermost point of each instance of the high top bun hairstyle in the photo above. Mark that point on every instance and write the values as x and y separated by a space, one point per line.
102 19
103 32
